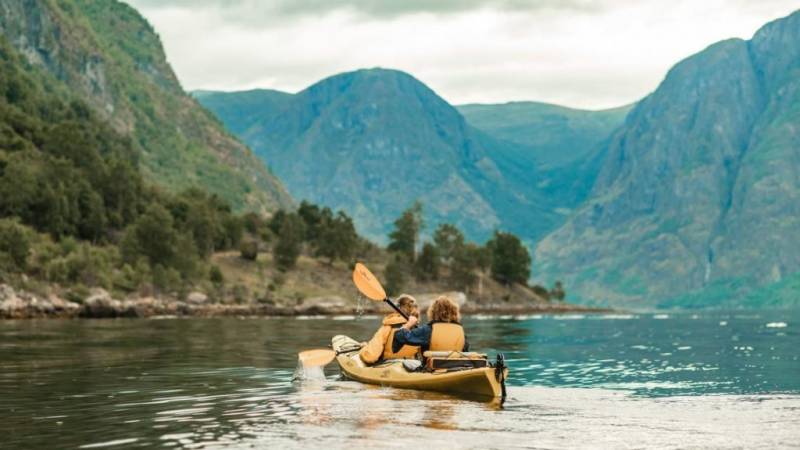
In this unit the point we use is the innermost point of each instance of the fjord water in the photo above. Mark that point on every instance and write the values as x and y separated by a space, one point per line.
656 380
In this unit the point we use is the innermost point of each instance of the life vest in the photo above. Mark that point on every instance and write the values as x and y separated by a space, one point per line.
405 352
446 337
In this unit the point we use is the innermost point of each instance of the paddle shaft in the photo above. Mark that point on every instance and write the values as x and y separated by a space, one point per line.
391 303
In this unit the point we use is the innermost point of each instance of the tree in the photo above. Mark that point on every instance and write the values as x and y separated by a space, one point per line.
558 292
467 259
337 238
248 249
427 265
511 262
151 236
276 221
315 219
404 237
289 242
448 240
462 269
215 275
15 245
395 275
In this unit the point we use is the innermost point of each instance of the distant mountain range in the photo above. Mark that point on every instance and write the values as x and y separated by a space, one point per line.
107 55
373 141
556 135
691 197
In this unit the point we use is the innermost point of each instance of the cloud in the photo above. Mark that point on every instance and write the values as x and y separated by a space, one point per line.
373 8
578 53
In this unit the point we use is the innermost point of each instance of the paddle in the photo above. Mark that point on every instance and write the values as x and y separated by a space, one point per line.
368 285
316 357
371 288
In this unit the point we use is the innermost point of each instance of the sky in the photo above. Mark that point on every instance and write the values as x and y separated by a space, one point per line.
579 53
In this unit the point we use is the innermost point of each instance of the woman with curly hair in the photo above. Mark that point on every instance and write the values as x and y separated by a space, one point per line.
381 347
443 332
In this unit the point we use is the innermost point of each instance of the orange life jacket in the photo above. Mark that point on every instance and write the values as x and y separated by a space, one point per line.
446 337
405 352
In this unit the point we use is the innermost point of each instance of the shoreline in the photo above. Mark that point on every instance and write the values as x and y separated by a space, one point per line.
21 305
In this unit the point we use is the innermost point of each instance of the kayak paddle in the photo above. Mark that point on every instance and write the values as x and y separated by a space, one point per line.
368 285
316 357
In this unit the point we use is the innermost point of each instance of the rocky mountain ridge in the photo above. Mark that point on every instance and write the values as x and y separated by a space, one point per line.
697 201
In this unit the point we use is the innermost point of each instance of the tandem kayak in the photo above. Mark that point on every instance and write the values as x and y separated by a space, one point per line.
485 382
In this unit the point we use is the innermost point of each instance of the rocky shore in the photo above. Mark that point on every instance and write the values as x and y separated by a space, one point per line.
19 304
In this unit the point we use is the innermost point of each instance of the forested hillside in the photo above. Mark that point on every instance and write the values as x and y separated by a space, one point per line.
107 55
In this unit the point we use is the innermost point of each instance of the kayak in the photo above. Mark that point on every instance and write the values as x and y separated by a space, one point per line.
482 382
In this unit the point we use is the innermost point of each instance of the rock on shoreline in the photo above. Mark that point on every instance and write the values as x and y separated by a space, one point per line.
18 304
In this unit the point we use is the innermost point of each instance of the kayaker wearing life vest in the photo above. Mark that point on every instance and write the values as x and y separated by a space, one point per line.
381 345
443 332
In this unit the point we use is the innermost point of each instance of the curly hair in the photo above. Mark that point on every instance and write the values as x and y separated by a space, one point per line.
408 305
444 309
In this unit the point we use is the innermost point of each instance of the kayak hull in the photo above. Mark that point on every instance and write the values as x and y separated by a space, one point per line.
480 382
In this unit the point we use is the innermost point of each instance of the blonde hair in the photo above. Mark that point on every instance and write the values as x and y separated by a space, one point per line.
408 305
444 309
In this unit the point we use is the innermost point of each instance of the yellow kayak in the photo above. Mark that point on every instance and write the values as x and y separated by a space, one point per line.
481 381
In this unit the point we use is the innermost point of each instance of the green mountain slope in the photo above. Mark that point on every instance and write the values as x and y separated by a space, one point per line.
373 141
241 110
107 54
555 134
698 199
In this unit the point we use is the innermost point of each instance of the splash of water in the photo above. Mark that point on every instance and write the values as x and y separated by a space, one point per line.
360 301
302 373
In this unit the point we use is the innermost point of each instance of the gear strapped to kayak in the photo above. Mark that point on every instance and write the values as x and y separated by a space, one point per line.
452 372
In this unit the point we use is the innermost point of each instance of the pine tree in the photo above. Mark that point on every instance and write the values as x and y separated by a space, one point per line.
395 275
511 262
337 238
427 265
404 237
289 242
448 240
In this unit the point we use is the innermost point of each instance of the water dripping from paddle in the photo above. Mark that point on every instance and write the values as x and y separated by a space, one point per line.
314 374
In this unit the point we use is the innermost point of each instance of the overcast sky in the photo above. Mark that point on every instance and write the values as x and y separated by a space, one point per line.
588 54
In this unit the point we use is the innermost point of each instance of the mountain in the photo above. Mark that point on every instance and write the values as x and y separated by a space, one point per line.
109 56
556 134
372 141
697 201
241 110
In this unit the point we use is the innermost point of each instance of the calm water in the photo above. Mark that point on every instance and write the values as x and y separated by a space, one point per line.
708 379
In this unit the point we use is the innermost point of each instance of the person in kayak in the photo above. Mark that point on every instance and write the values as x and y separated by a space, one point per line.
443 332
381 346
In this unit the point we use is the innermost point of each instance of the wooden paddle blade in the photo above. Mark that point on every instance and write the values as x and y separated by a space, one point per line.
318 357
367 283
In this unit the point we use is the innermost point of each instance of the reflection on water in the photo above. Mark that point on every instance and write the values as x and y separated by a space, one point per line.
229 383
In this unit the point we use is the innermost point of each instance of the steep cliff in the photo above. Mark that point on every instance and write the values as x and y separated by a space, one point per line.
696 202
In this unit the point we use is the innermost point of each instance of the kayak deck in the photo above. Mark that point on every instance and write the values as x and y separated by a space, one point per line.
480 381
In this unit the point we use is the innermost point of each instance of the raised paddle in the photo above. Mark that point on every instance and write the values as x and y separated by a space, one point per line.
368 285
